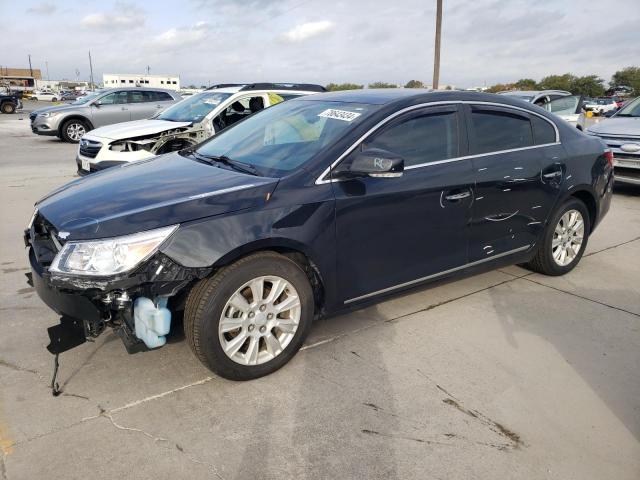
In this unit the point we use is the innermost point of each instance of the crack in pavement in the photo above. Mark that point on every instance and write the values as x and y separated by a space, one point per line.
612 247
620 309
3 469
212 468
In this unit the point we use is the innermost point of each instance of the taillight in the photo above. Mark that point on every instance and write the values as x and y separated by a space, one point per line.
608 154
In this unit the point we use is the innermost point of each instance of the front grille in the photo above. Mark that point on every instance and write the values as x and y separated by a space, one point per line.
89 148
615 144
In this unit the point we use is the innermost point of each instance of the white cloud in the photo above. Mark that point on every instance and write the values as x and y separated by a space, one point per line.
124 16
182 36
44 8
304 31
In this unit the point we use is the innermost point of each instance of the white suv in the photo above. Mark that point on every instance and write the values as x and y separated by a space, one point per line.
182 125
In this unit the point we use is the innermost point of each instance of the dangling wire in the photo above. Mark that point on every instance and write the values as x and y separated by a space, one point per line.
55 388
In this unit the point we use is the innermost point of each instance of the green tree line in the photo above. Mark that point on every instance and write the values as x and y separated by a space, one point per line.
589 85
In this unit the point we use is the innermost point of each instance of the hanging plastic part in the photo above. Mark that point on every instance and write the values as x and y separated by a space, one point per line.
55 388
152 320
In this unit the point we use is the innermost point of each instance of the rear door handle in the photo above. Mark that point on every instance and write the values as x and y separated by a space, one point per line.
557 173
457 196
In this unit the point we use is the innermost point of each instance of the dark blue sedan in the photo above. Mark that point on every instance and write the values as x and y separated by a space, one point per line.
315 205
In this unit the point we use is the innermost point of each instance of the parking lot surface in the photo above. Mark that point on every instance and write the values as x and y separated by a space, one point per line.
507 374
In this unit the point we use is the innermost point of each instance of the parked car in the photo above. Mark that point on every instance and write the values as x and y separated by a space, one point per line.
71 95
567 108
70 122
318 204
621 133
601 105
537 97
48 96
10 101
187 123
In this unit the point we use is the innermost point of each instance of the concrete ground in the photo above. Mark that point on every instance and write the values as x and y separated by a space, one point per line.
508 374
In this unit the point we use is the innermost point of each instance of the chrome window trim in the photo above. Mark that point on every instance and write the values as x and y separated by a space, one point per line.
322 180
436 275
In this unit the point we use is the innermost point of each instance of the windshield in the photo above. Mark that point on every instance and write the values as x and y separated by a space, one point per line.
86 98
194 108
284 137
630 110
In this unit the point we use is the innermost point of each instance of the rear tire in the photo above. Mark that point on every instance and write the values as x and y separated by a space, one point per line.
72 130
241 332
8 107
559 251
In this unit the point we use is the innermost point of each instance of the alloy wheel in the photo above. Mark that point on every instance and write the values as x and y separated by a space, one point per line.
568 237
75 131
259 320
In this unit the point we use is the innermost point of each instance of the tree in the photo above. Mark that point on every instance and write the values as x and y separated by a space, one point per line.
414 84
526 84
382 85
333 87
589 85
558 82
501 87
629 76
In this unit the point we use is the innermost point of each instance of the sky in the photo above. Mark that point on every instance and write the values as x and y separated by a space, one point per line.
218 41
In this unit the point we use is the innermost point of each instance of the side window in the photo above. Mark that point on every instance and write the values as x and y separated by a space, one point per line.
544 132
496 130
163 97
138 96
114 98
422 138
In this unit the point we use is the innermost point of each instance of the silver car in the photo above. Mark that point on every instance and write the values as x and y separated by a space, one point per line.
621 132
70 122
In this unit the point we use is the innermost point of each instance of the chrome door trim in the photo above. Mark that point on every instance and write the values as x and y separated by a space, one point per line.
322 180
436 275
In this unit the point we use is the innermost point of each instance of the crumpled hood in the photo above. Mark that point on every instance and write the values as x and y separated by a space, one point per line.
137 128
161 191
628 126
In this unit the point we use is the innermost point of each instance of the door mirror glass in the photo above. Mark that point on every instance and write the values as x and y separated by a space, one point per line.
375 162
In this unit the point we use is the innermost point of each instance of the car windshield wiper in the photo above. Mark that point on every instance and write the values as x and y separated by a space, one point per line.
236 165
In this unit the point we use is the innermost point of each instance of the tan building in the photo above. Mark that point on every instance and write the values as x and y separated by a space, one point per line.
21 72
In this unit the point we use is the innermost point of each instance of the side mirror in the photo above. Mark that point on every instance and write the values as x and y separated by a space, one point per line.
377 163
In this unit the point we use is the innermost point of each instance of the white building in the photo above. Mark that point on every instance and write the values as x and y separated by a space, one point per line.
113 80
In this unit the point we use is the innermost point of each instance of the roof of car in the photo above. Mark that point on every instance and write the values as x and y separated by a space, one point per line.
531 92
408 95
116 89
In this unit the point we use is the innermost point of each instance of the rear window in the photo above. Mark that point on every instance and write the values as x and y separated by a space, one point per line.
163 96
543 131
496 130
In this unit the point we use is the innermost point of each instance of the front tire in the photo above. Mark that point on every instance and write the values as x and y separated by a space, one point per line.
564 240
8 107
73 130
251 317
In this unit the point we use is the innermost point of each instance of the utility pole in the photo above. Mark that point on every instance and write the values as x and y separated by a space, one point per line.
91 70
436 53
148 68
30 68
47 64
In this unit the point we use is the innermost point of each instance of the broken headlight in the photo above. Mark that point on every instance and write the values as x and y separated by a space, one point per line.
109 256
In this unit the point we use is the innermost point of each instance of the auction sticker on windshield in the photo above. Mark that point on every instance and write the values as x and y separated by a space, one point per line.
343 115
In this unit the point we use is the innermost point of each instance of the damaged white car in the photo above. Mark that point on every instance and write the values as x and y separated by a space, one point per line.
182 125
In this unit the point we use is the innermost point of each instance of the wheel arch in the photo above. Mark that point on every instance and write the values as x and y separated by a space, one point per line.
75 116
588 198
293 250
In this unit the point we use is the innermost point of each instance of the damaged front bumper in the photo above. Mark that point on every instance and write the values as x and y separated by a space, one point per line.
135 305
